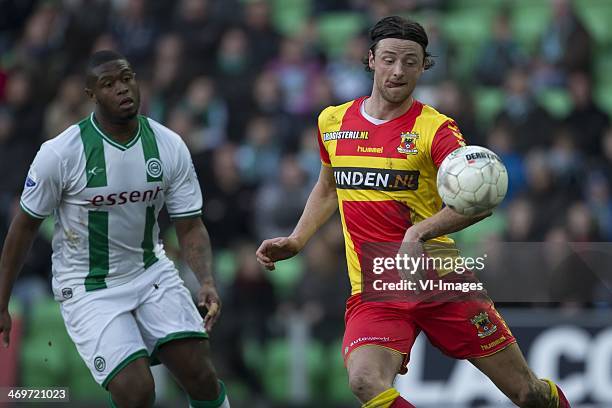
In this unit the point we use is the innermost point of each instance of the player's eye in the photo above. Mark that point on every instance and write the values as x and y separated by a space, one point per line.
107 84
388 60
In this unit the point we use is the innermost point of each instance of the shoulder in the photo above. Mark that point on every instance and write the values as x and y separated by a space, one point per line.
162 133
432 118
167 139
64 145
333 115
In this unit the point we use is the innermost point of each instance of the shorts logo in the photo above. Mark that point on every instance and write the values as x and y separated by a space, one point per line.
66 293
370 339
99 364
484 326
154 167
408 143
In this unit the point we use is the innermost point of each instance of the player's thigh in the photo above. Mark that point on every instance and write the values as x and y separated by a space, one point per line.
373 364
105 333
167 313
189 362
466 329
379 324
133 382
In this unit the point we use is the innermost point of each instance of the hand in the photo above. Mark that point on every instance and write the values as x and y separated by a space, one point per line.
412 245
208 298
277 249
5 327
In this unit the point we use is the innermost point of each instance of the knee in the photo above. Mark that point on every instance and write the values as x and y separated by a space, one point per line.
202 383
365 385
135 393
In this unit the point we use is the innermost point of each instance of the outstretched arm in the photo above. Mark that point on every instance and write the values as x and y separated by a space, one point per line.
445 221
321 204
195 247
18 241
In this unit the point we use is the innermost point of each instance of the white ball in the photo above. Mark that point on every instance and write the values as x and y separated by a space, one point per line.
472 180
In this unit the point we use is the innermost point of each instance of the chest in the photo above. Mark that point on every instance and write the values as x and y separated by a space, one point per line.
398 145
120 178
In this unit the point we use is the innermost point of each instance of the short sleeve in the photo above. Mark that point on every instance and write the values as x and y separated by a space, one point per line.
448 138
323 151
184 198
42 191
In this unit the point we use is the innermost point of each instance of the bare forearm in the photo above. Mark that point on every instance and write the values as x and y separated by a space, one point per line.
446 221
321 204
195 245
16 247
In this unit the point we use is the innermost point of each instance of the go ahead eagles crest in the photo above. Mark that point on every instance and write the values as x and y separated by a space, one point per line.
408 143
484 326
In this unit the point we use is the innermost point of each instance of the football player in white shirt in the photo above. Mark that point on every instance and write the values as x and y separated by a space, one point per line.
125 307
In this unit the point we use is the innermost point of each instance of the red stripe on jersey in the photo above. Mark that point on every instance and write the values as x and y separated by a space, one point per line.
383 139
322 151
375 221
447 139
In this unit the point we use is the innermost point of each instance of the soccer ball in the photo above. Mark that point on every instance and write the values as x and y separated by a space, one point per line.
472 180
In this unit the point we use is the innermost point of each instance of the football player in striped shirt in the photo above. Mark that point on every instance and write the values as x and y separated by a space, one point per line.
125 307
380 156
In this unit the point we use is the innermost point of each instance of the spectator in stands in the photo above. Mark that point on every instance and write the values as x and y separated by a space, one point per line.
259 156
209 113
348 78
228 208
528 122
280 201
499 54
69 107
263 38
587 121
200 32
566 44
135 32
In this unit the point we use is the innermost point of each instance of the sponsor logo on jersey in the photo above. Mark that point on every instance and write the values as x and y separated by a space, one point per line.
29 182
408 143
123 197
94 171
66 293
483 324
345 134
154 167
356 178
99 364
366 149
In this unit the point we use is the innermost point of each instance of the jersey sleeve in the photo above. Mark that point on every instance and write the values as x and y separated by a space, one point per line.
42 190
184 198
448 138
322 150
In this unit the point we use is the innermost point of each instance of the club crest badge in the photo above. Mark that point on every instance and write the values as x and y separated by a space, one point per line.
408 143
483 324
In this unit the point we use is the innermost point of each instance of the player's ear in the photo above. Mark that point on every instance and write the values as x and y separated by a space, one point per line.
371 59
90 94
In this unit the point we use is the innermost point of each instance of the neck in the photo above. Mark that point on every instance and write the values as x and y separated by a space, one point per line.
379 108
119 130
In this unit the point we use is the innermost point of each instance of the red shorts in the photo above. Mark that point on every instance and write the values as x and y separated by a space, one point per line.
464 329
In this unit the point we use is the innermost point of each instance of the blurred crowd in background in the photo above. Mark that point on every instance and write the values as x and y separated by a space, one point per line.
242 81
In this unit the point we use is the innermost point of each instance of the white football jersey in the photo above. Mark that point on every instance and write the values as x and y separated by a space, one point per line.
105 198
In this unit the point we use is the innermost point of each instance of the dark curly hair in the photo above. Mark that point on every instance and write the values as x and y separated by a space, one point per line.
403 29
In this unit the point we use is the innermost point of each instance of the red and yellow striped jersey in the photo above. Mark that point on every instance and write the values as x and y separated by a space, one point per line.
385 174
